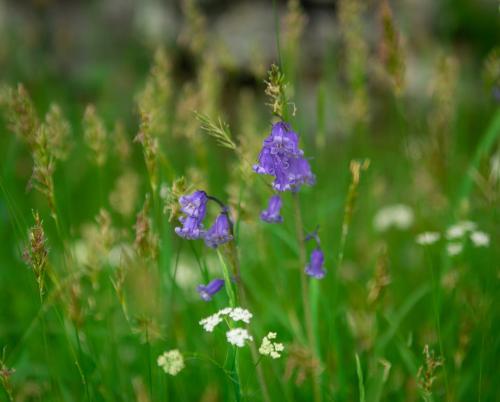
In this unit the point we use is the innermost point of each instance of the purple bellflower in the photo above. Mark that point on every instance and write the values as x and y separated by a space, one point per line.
315 267
272 213
208 291
194 207
282 158
220 232
191 229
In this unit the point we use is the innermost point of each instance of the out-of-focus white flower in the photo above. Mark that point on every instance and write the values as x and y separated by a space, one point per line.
454 249
399 216
120 254
211 322
171 362
480 239
238 336
240 314
270 348
459 229
427 238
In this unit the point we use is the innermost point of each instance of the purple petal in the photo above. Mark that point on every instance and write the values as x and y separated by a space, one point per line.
208 291
315 267
272 213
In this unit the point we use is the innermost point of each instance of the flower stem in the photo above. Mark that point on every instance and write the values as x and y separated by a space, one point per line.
227 280
299 226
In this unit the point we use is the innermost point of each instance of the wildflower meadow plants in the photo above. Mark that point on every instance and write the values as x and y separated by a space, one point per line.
312 221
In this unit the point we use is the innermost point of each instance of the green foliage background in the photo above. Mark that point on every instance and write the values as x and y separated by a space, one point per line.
433 149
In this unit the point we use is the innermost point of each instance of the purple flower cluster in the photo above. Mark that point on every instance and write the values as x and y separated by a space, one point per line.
194 207
282 158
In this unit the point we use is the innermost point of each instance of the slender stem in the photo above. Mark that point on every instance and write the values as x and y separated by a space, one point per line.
277 33
150 375
435 297
241 294
227 279
299 226
80 353
232 302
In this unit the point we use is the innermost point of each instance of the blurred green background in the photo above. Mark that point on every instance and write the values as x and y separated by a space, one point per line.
413 86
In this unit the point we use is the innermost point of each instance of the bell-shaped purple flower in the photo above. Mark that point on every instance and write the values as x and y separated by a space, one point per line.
208 291
272 213
194 205
315 267
191 229
220 232
282 158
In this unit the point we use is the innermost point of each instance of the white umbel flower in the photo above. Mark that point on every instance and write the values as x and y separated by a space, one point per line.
427 238
399 216
211 322
454 249
171 362
241 314
236 314
238 336
459 229
480 239
271 348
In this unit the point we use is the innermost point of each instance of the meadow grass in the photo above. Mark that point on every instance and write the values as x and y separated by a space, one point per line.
95 284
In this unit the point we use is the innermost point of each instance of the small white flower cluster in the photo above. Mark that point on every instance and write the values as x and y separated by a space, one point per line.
235 336
236 314
456 235
271 348
399 216
238 336
459 229
428 238
171 362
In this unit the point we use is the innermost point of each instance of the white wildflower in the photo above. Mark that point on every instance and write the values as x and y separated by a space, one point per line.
480 239
236 314
238 336
398 216
225 311
211 322
270 348
171 362
240 314
454 249
459 229
427 238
